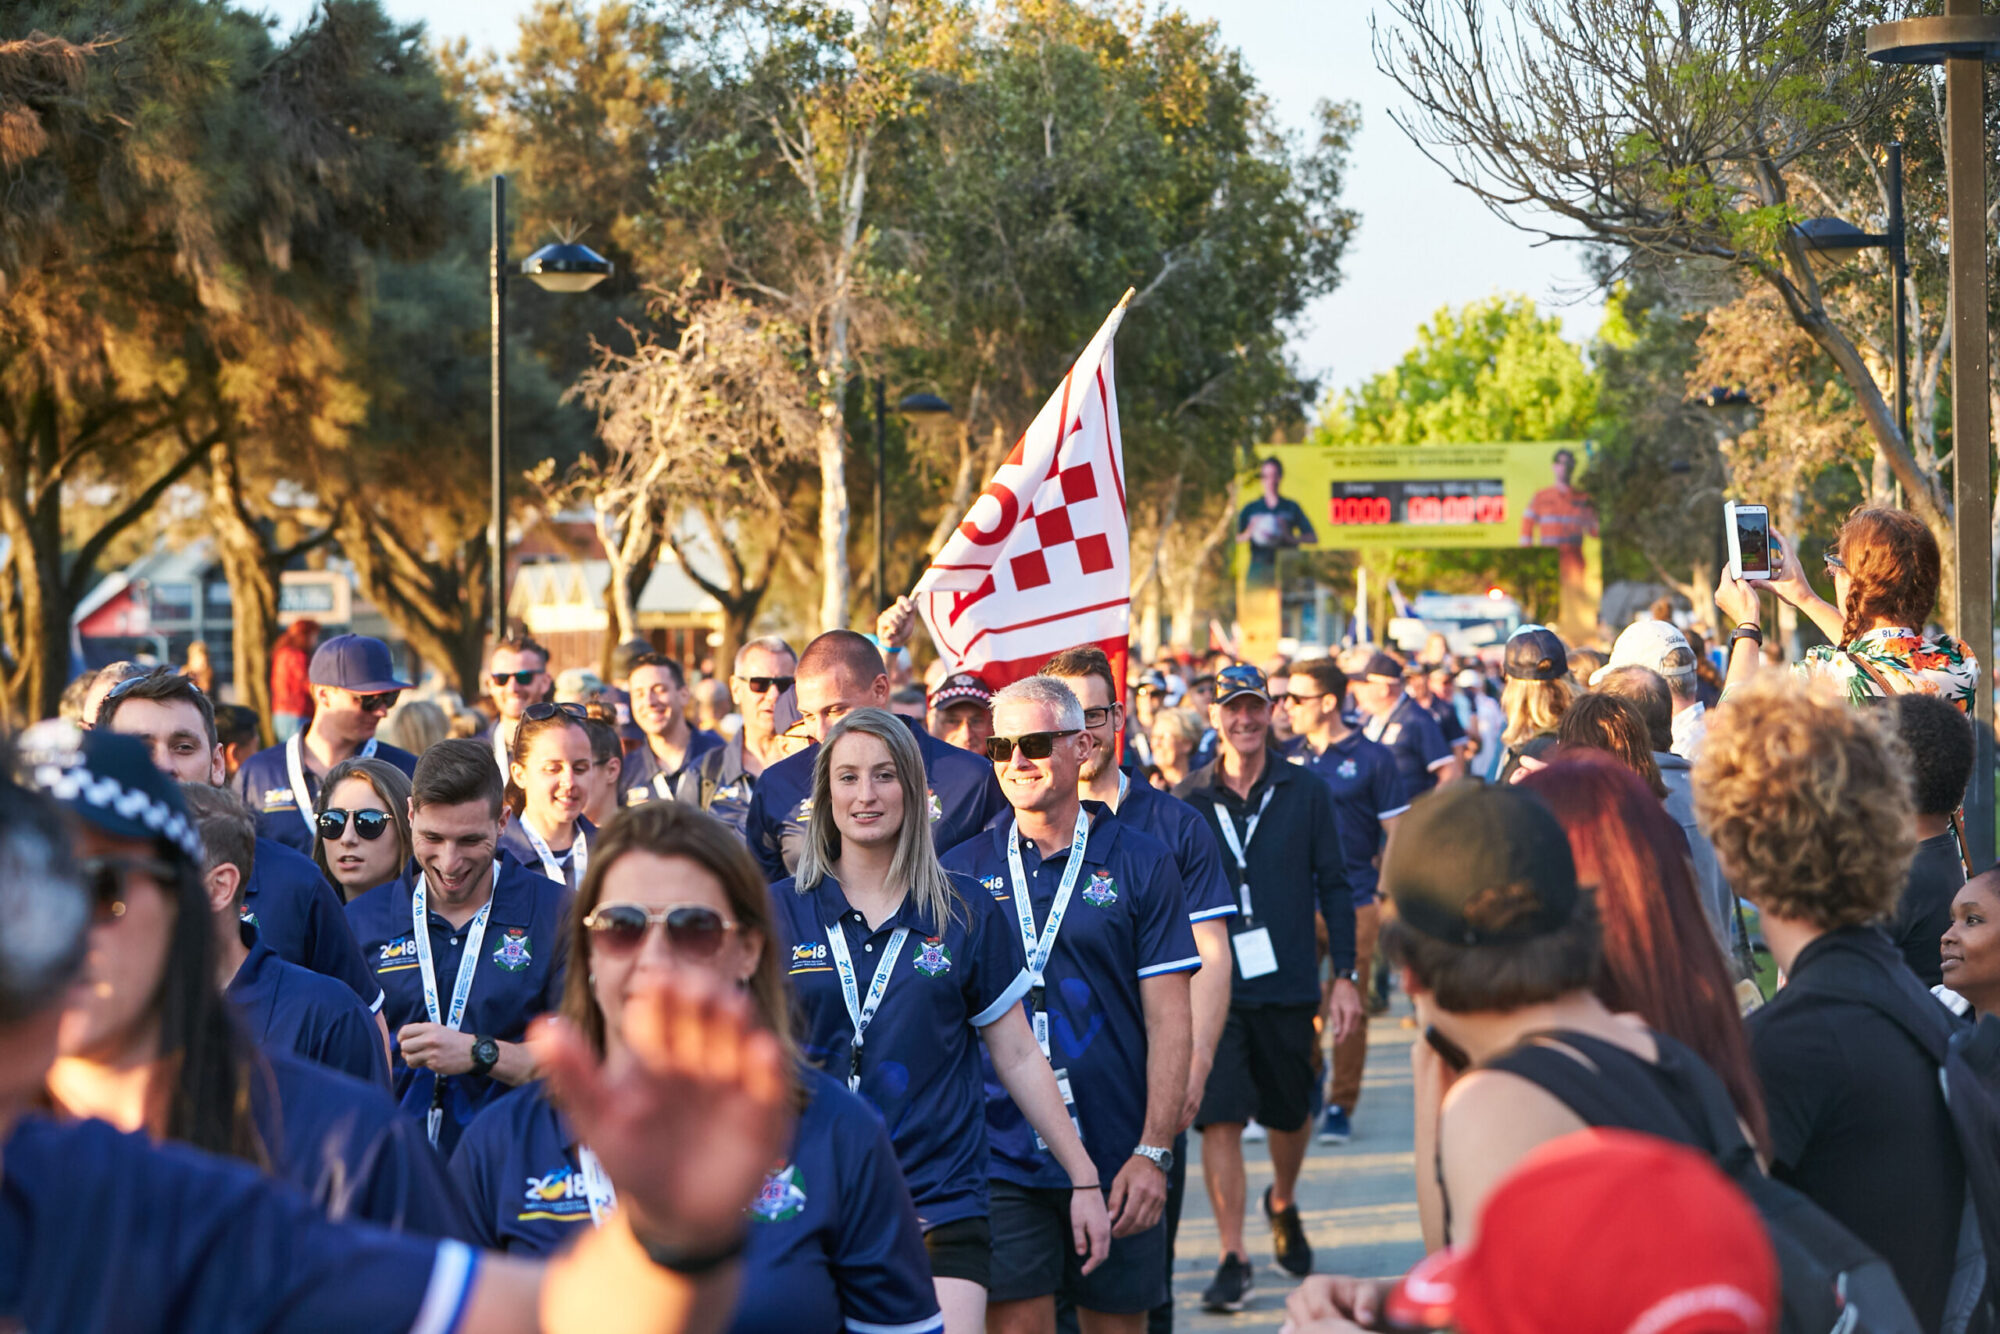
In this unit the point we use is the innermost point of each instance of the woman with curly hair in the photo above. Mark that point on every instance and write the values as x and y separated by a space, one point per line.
1808 802
1886 570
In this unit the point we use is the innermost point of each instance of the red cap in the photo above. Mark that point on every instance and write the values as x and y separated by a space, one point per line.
1603 1232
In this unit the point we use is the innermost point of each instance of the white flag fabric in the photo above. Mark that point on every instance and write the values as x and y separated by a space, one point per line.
1042 561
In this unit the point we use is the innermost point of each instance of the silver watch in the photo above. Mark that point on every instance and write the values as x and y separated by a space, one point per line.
1160 1158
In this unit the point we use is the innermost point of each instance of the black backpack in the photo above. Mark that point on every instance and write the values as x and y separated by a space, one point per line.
1831 1283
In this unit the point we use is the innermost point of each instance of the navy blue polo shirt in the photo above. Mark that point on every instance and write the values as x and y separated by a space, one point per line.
1209 889
1446 718
1297 867
347 1147
919 1067
1367 789
301 918
1127 920
834 1242
265 784
514 842
105 1231
641 779
519 977
286 1008
1410 732
964 795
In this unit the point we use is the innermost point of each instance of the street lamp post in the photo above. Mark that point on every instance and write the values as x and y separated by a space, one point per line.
1962 40
914 405
560 267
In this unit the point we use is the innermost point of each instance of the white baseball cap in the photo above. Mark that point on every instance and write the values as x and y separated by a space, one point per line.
1655 645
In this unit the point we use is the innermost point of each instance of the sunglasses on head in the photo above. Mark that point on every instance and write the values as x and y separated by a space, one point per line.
538 713
1239 677
518 678
761 684
332 823
693 929
380 702
1034 745
104 877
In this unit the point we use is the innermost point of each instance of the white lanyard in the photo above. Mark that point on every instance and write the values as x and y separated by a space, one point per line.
468 964
862 1012
500 750
579 852
1240 848
1039 948
597 1187
295 768
1123 784
661 786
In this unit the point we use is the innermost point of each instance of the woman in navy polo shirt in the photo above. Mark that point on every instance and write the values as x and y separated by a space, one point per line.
881 940
361 826
548 785
834 1242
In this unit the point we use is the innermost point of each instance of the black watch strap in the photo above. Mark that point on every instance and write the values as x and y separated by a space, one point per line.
485 1067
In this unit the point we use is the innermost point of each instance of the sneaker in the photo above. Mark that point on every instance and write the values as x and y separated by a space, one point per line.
1288 1238
1231 1287
1252 1132
1333 1127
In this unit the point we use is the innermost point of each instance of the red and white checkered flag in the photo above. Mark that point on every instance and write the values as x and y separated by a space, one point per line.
1042 561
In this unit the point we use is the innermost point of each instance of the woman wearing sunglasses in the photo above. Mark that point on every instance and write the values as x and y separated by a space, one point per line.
896 970
361 829
834 1241
548 785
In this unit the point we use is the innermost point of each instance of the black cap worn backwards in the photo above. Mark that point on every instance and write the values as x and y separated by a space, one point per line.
1535 654
1473 864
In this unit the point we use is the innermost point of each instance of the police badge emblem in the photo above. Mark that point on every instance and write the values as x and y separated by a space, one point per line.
513 953
1348 769
782 1198
1102 891
933 958
937 807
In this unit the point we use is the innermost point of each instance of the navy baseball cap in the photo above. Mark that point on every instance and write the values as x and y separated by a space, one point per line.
1381 667
108 780
962 688
1535 654
354 662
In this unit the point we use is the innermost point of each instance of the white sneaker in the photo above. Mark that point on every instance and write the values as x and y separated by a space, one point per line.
1252 1132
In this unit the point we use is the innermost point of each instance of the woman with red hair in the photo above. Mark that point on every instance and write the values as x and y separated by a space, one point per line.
1661 959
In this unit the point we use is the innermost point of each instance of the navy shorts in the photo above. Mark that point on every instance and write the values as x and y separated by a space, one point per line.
1033 1256
1263 1068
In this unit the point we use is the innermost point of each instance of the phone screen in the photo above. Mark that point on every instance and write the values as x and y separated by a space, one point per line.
1753 539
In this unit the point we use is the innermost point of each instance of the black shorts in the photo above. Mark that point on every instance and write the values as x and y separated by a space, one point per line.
1263 1068
962 1248
1033 1256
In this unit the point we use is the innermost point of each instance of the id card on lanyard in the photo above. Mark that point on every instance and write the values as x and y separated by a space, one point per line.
597 1187
1254 955
461 989
579 852
1039 947
861 1012
295 770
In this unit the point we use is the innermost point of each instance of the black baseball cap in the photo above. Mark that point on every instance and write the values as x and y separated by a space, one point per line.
962 688
1535 654
1380 667
1239 680
1480 864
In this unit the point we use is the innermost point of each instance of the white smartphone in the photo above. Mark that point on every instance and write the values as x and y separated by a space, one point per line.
1749 530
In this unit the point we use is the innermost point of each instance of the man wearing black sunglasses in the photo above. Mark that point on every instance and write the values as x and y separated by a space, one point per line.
517 675
725 777
354 686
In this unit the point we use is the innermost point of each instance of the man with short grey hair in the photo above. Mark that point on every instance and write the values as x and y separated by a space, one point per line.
1661 648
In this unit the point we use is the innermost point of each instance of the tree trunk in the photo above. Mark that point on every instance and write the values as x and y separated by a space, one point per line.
832 446
253 584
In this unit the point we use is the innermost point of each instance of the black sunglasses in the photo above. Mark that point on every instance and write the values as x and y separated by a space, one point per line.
693 929
382 701
1833 560
104 877
759 684
518 678
1034 745
332 823
541 713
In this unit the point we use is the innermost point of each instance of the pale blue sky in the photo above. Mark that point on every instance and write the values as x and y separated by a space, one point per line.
1423 242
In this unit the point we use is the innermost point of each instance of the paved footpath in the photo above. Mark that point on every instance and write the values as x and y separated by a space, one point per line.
1358 1199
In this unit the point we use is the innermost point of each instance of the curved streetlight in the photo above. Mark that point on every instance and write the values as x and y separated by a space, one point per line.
912 405
562 266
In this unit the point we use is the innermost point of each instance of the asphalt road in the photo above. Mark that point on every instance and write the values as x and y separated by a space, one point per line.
1358 1199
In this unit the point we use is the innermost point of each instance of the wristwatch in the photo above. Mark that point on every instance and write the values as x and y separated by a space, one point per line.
485 1055
1161 1158
1351 975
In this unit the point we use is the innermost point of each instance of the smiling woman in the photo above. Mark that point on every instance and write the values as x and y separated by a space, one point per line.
1970 949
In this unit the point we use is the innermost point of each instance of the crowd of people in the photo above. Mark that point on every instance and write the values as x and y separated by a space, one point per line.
813 996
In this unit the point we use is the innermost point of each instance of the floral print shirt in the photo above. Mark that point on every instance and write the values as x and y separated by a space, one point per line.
1911 663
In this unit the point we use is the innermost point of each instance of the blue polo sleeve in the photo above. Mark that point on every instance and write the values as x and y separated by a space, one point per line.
761 831
879 1263
997 976
1199 859
1166 937
1387 789
331 947
1431 745
350 1043
476 1164
1329 871
410 1190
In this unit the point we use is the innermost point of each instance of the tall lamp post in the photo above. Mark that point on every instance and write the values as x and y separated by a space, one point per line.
561 267
1962 40
915 405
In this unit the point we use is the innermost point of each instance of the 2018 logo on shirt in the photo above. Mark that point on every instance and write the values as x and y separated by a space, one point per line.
782 1198
397 955
933 958
804 813
514 952
1347 769
937 807
809 957
558 1196
1102 891
279 799
994 885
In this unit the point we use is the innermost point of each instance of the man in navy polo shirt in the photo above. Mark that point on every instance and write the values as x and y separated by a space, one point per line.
1367 799
283 1007
486 959
1211 900
1108 966
296 914
842 671
1406 727
354 686
673 744
1277 823
517 675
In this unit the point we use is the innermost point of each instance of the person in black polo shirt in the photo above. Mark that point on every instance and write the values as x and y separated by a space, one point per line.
1276 824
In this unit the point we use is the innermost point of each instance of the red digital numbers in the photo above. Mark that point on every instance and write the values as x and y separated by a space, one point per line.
1360 509
1455 509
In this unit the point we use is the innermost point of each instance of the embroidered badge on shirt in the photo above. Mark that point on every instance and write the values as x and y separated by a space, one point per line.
1347 769
397 955
782 1198
804 813
933 958
279 799
1102 891
994 885
810 957
558 1196
514 953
